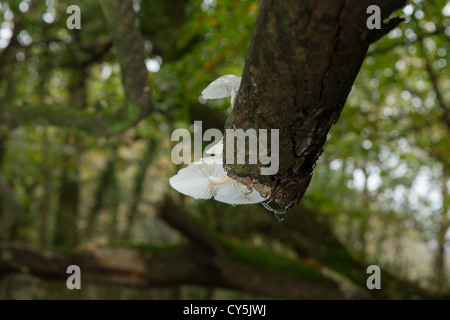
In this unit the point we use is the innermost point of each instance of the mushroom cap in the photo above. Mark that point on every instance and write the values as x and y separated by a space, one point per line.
234 192
206 178
194 180
222 87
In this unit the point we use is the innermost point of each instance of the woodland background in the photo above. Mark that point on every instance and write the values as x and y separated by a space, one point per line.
84 176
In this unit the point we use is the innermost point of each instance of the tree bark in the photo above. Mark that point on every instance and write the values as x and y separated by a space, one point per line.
302 61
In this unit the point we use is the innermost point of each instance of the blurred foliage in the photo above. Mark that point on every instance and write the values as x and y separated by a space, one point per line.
383 179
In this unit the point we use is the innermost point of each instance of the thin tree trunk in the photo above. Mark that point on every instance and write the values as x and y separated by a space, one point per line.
9 206
45 205
439 265
65 231
113 207
105 184
138 187
365 217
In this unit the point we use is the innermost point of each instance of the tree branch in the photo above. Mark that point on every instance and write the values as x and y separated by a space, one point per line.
302 61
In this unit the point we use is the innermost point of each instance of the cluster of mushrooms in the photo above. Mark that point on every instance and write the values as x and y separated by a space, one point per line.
206 178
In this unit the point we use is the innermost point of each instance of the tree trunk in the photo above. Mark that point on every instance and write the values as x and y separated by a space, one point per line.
65 233
302 61
105 187
138 187
440 279
45 204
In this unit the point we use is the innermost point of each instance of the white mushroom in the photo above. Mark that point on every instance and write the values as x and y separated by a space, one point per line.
200 179
206 178
234 192
223 87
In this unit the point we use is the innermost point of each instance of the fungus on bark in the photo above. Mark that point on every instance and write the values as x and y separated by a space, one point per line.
223 87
